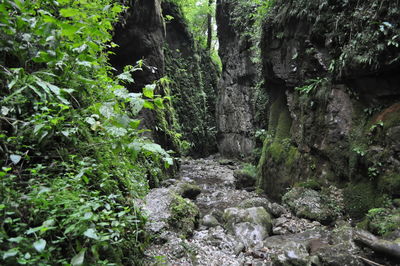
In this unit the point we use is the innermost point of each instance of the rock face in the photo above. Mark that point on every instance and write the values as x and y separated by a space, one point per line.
194 78
235 110
187 123
141 34
333 93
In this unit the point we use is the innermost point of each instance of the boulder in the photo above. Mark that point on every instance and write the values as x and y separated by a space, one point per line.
244 180
167 211
210 221
188 190
309 204
271 207
250 225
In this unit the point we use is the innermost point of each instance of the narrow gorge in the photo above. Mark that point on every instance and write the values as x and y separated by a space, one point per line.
210 132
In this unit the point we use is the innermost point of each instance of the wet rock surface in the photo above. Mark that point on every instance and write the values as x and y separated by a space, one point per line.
237 227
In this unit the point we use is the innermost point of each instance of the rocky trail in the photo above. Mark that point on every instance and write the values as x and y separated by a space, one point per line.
206 217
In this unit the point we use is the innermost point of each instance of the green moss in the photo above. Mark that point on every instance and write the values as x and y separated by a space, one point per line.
284 124
274 111
390 184
363 224
293 155
276 151
193 90
361 197
310 183
278 166
249 170
184 215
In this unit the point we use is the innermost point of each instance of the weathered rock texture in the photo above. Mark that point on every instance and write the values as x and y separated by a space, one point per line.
194 83
342 124
187 123
141 35
235 104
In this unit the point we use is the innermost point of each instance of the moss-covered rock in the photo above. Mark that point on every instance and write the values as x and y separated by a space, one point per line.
361 197
254 215
310 204
184 215
188 190
245 177
278 167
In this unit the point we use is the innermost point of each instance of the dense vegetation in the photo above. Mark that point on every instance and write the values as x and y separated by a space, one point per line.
72 158
75 159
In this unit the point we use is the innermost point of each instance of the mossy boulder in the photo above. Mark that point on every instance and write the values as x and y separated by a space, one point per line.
250 226
309 204
188 190
184 216
254 215
279 167
168 211
245 177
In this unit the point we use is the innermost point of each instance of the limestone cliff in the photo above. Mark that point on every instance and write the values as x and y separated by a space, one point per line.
332 73
236 88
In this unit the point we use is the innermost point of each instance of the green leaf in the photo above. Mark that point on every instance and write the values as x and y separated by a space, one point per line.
107 110
10 253
169 161
16 239
135 124
148 91
91 233
4 110
33 230
69 12
148 105
12 83
40 245
68 30
153 147
79 258
54 89
159 102
15 159
126 76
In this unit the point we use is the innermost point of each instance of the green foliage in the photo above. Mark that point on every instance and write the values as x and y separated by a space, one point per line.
248 17
359 198
390 184
72 156
383 221
196 13
249 170
311 85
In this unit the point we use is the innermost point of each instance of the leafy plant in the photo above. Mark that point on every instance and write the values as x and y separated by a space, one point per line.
311 85
72 154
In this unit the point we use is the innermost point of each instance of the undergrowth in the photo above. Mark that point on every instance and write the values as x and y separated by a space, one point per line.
72 156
